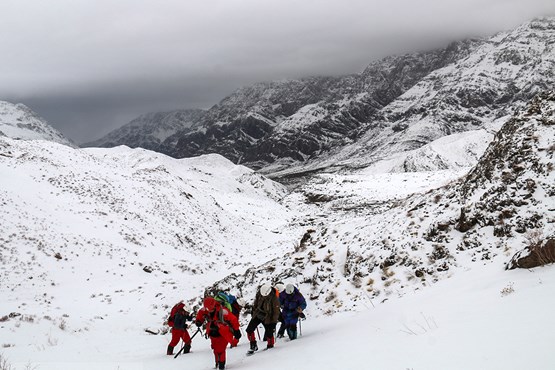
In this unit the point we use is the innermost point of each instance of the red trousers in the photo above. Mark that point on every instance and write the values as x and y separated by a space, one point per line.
219 344
178 334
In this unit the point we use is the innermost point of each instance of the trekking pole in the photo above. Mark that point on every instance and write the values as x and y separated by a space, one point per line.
257 332
300 328
183 347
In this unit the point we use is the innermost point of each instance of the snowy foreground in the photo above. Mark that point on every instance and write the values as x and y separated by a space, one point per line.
480 319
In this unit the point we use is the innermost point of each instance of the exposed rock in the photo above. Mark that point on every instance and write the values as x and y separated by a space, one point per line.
534 256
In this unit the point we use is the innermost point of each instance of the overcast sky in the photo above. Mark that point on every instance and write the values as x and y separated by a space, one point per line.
89 66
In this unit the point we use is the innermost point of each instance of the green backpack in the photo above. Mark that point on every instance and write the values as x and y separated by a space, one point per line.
226 300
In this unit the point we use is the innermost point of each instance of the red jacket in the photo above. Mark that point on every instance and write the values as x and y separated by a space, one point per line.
219 321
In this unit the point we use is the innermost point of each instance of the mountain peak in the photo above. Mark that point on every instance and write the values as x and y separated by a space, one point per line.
18 121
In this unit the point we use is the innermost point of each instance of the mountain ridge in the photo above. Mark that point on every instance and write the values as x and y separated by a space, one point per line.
395 104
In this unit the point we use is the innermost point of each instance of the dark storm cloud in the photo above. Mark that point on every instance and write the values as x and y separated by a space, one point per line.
90 66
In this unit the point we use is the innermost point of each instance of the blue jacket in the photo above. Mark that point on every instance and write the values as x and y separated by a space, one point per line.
289 304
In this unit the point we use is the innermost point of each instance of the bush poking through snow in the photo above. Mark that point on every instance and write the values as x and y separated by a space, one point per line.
507 290
62 325
4 364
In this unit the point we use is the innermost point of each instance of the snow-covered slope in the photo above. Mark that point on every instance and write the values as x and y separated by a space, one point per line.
361 246
84 232
150 130
477 320
19 122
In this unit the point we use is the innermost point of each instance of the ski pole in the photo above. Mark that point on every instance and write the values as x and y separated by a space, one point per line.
198 331
300 328
257 332
183 347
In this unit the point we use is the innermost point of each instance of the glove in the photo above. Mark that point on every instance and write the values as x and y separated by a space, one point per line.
237 334
302 315
198 323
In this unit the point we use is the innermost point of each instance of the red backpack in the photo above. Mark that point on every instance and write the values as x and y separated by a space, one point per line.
174 310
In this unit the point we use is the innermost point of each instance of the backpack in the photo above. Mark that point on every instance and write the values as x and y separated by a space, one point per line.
226 300
174 310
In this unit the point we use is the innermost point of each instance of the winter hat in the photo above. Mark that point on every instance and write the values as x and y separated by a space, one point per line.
289 288
280 287
210 303
241 302
265 289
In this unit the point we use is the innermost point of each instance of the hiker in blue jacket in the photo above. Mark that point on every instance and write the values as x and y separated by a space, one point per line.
292 305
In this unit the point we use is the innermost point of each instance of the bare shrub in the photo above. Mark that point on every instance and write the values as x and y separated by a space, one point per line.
62 325
330 297
27 318
507 290
29 366
436 198
4 364
52 341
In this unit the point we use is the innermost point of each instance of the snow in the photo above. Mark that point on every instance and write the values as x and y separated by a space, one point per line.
466 322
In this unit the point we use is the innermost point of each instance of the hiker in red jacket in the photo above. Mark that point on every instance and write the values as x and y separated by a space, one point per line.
179 315
221 326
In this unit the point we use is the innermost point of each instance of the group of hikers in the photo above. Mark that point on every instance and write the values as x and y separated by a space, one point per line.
219 316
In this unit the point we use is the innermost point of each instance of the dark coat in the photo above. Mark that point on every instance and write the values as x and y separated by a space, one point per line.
266 308
179 319
289 305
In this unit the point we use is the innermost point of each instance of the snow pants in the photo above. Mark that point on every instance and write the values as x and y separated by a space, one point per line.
219 343
178 334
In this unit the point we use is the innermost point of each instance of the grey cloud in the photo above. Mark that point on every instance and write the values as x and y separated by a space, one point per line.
89 66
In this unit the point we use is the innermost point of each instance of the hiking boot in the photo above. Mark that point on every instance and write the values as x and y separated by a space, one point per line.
221 365
292 334
271 342
169 352
254 346
187 348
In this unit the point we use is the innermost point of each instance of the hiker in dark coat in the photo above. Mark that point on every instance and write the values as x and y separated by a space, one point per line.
265 311
292 305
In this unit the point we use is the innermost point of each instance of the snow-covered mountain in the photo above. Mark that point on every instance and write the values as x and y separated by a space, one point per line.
293 121
19 122
361 248
475 92
150 130
395 105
